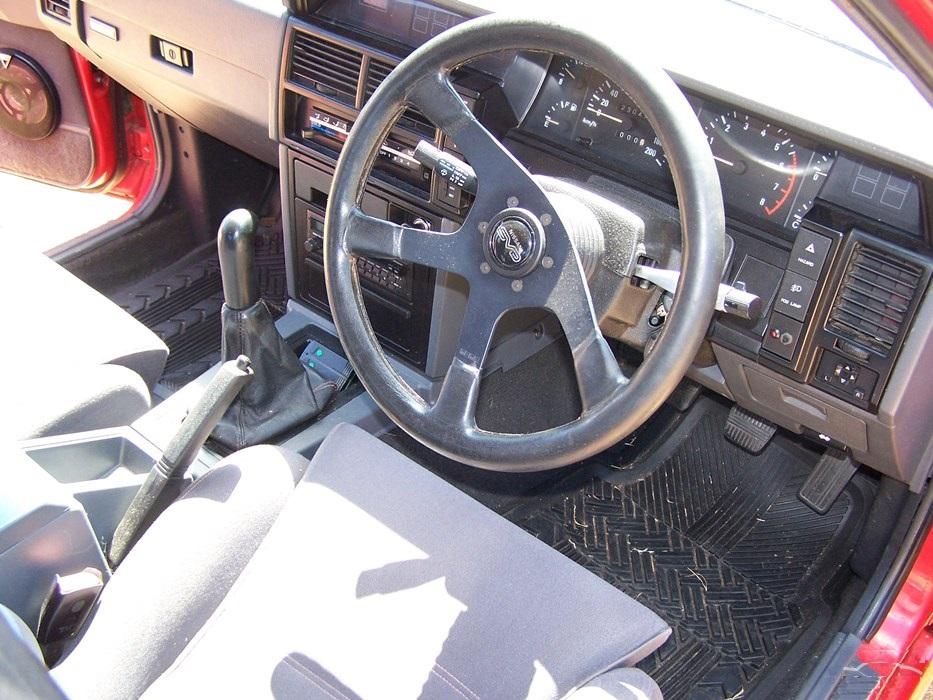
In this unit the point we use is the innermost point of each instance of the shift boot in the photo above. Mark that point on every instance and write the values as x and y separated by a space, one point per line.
282 393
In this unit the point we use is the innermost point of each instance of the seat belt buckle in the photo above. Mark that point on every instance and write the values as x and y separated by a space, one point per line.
68 605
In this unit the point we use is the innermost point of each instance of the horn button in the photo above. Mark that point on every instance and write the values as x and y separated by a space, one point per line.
514 242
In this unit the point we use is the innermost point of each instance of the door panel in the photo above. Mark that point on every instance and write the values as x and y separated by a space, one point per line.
66 156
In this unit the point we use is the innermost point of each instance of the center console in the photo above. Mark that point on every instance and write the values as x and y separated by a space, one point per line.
399 296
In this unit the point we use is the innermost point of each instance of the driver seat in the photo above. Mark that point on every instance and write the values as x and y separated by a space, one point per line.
370 578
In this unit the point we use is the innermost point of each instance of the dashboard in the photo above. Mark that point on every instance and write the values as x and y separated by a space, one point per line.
823 156
834 241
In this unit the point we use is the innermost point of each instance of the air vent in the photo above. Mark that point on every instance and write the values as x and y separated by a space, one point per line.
59 9
325 67
411 119
874 298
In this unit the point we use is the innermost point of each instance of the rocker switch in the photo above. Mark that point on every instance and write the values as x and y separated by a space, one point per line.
177 55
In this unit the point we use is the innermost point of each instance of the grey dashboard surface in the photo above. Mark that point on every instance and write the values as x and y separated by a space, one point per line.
230 88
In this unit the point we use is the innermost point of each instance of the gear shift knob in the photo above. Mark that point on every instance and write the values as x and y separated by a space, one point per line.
235 250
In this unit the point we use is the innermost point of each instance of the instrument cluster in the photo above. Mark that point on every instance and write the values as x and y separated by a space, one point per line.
767 173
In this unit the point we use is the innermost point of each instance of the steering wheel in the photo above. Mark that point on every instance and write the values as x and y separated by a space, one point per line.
515 252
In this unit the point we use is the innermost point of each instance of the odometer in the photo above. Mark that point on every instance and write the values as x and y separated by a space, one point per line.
611 121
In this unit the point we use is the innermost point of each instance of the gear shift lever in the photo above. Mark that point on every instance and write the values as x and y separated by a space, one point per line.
235 241
283 393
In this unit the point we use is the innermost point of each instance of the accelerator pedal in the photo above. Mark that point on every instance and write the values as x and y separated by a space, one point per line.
750 432
827 480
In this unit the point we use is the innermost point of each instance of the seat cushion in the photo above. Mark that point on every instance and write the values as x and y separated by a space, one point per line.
619 684
380 580
178 573
64 402
58 320
60 330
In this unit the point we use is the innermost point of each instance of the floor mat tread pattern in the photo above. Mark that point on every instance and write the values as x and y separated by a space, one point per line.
713 540
182 304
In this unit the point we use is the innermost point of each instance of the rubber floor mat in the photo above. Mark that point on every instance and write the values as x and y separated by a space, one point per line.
715 541
182 304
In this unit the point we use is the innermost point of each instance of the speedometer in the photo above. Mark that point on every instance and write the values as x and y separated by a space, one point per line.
611 119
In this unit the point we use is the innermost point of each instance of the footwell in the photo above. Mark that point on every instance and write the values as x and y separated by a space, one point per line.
716 542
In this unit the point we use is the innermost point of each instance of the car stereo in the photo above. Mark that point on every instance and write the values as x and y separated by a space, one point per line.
398 295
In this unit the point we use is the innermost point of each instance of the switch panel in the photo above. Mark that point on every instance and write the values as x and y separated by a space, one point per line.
782 336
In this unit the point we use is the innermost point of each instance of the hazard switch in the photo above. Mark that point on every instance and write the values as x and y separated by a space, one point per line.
809 254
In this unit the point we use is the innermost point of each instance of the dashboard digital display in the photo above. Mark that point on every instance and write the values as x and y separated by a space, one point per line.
766 172
411 22
884 195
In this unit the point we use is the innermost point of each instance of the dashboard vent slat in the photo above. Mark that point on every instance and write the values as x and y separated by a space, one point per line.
876 294
59 9
325 67
411 119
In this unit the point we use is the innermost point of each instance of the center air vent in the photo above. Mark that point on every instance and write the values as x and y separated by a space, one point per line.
325 67
411 119
874 299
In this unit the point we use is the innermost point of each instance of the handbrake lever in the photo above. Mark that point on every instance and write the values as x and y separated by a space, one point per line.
731 300
182 450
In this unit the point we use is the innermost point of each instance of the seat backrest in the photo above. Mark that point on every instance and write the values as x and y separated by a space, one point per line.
23 673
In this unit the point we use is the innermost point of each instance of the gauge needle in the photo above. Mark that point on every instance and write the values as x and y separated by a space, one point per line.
724 161
600 113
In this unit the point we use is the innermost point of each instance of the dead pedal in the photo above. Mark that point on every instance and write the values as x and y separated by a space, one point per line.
750 432
827 480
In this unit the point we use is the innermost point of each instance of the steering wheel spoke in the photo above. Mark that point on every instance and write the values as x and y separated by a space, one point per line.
377 238
458 394
495 167
598 372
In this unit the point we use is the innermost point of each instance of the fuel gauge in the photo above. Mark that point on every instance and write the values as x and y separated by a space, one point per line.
564 93
561 117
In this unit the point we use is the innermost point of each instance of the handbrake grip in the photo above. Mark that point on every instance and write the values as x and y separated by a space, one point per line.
182 450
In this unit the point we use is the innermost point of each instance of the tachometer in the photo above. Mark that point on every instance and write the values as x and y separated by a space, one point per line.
765 171
757 161
610 118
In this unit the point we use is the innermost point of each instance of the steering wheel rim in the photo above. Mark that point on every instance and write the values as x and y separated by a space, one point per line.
613 406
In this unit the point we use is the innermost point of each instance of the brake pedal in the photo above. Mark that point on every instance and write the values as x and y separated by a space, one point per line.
750 432
827 480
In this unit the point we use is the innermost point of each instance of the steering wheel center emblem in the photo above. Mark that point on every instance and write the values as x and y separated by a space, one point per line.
513 242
